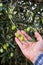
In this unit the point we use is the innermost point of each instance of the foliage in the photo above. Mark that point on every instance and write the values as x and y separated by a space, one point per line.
15 15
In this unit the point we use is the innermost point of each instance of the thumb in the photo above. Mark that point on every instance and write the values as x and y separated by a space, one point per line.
38 36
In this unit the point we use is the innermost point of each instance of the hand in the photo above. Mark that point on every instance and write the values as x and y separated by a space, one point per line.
30 49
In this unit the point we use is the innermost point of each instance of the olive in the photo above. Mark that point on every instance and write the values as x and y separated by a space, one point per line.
11 54
1 4
5 46
28 29
22 38
17 34
1 50
13 27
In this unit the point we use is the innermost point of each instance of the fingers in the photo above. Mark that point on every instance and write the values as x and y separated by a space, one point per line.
26 38
23 45
26 35
27 44
21 34
38 36
19 43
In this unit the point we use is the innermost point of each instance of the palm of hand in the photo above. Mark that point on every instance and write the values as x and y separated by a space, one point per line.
30 49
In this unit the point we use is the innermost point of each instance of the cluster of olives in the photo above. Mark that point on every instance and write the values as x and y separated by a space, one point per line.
5 48
19 36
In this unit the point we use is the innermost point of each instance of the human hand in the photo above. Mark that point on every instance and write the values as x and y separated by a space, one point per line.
30 49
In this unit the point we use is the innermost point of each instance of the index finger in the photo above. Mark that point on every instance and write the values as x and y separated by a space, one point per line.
26 35
19 43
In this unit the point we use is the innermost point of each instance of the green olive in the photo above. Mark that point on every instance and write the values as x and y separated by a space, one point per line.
1 4
1 50
5 46
28 29
15 12
17 34
11 54
22 38
13 27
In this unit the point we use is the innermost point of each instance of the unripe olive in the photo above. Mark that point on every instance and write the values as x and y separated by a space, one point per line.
11 54
15 12
1 4
17 34
1 50
28 29
5 46
13 27
22 38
